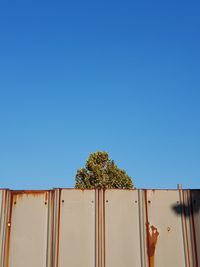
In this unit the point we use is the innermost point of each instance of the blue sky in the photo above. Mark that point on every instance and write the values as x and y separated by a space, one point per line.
82 76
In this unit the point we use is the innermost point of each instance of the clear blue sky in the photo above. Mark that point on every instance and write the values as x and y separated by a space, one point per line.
81 76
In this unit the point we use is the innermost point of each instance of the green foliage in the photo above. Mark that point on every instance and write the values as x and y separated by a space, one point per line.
100 172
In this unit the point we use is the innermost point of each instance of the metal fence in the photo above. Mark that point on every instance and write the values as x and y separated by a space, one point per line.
96 228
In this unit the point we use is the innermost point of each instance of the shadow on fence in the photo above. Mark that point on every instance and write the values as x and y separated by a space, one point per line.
193 207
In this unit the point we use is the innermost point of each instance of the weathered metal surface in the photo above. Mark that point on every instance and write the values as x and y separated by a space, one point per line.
27 242
95 228
122 228
77 228
164 229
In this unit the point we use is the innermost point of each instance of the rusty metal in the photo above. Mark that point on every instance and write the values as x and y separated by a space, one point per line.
97 228
151 235
28 214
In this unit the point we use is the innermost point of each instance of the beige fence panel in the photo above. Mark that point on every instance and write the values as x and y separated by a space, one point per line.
27 243
77 228
165 232
122 235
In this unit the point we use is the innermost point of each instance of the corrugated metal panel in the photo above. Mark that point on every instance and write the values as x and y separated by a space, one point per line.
28 229
112 228
164 229
122 229
77 228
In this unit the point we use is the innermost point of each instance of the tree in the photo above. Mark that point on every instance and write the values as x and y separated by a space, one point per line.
100 172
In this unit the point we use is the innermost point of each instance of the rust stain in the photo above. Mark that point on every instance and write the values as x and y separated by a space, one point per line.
151 235
46 197
152 238
14 197
29 192
5 199
19 194
8 230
